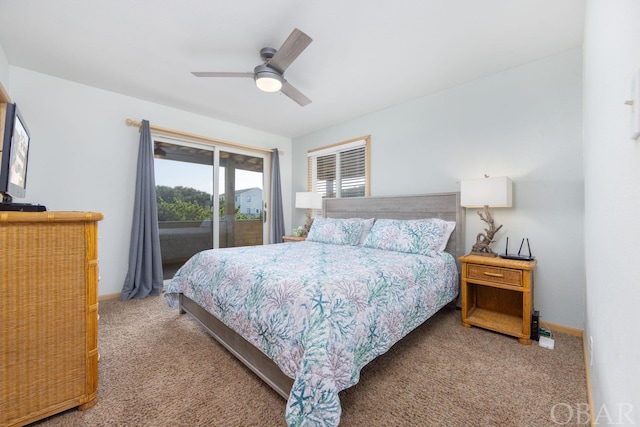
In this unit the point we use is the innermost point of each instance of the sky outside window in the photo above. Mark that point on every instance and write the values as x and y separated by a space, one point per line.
173 174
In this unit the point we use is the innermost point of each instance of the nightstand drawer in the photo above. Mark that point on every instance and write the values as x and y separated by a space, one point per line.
505 276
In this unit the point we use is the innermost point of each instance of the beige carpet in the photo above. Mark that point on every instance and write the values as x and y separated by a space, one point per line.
159 368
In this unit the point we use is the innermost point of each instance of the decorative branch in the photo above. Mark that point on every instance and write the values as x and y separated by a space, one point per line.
484 240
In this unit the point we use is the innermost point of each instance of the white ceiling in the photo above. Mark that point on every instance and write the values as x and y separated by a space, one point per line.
366 55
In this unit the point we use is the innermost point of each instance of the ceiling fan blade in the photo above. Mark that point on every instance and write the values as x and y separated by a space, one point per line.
290 50
294 94
220 74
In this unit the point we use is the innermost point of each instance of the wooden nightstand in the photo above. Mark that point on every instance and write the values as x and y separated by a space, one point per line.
286 239
497 294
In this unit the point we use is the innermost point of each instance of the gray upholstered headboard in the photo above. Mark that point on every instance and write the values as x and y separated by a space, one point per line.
438 205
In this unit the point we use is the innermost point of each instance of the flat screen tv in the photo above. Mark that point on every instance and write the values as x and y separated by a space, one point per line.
14 156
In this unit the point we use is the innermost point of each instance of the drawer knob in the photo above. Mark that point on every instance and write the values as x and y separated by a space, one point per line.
486 273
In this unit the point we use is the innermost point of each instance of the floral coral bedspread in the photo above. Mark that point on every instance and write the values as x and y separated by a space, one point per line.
321 312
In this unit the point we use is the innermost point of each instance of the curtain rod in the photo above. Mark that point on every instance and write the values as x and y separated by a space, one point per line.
199 138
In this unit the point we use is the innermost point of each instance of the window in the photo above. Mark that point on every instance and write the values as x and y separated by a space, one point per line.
340 170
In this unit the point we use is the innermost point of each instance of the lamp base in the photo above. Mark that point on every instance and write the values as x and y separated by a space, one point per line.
483 243
308 224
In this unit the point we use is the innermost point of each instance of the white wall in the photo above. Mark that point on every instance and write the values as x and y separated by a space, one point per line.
4 69
612 203
83 156
525 123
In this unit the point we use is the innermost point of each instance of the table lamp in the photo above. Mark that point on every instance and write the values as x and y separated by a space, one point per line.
486 192
308 201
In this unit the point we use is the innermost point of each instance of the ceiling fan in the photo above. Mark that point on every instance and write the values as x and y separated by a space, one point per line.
269 76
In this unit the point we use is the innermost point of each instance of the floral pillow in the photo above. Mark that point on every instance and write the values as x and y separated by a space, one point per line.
336 231
419 236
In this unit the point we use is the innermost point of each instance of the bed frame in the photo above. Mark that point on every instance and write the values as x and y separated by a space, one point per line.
442 205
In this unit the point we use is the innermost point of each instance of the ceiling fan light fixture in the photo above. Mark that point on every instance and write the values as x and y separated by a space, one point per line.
269 76
269 83
267 79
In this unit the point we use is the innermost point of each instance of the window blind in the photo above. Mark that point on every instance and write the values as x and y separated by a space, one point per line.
340 170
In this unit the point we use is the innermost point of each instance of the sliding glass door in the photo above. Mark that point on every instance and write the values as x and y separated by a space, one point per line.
184 191
207 198
241 198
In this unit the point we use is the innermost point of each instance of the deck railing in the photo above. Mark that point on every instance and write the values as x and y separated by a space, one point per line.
179 240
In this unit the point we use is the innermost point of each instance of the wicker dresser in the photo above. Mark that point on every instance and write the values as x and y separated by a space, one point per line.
48 314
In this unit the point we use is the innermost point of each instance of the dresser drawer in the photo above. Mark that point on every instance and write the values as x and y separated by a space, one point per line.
505 276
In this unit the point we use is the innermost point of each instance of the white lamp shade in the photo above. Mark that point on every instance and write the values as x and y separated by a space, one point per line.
494 192
308 200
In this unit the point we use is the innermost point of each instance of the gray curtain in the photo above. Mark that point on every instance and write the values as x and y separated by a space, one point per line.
145 263
277 216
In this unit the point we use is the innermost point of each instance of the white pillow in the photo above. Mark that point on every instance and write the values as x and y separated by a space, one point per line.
450 226
366 228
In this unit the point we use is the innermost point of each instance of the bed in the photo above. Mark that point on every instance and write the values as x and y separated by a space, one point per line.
307 317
